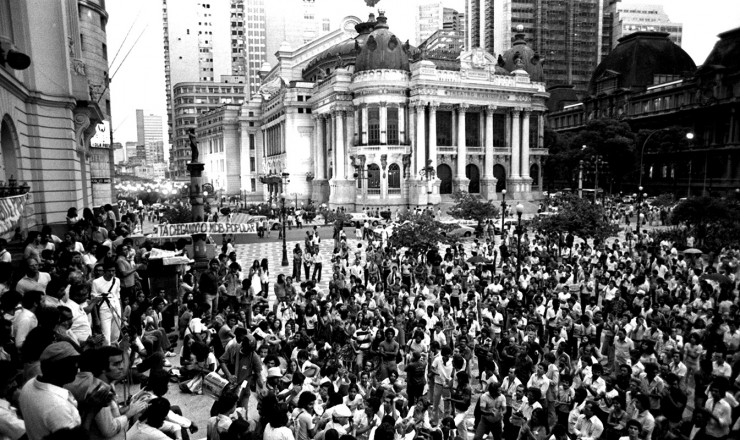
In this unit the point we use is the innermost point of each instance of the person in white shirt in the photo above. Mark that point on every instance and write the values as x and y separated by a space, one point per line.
588 426
34 279
109 288
148 427
26 320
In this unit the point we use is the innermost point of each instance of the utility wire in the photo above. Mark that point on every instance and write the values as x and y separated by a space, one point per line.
124 39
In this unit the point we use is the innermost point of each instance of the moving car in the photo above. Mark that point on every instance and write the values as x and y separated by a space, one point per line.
359 218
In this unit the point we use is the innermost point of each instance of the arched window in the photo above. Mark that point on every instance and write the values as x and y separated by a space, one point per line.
444 172
8 161
499 172
472 173
534 173
373 176
394 176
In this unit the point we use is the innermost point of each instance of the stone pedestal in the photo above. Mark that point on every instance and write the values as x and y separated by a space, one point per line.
520 188
343 194
200 254
320 191
434 198
488 188
460 184
418 193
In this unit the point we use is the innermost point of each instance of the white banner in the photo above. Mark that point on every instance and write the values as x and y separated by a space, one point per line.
204 228
11 209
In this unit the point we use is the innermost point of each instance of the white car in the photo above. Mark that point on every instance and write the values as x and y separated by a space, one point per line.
359 219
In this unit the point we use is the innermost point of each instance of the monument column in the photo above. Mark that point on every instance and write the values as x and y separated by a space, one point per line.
515 145
433 106
525 145
488 182
339 150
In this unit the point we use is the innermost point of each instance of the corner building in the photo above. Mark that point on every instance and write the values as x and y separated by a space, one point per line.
359 118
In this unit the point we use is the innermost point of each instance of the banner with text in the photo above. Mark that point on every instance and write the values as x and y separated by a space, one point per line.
204 228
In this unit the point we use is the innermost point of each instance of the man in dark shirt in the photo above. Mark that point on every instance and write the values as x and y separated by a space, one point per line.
415 377
209 283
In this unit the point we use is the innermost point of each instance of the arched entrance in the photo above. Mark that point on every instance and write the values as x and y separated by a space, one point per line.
534 173
8 159
472 173
499 172
444 173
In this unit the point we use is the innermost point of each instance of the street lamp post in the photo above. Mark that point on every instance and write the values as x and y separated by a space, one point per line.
689 136
282 221
519 232
503 210
639 206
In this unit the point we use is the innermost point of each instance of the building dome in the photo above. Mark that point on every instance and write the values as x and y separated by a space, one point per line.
523 57
341 54
639 57
382 50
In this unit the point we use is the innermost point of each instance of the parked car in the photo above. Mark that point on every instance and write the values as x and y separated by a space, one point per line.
359 218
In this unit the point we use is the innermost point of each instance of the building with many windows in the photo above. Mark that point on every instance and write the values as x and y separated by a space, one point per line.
149 134
358 118
571 37
434 16
649 82
191 100
633 17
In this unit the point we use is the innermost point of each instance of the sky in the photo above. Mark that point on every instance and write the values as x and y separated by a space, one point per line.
138 75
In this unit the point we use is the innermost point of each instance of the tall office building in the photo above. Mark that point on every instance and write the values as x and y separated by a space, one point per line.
203 40
633 17
571 36
433 17
149 134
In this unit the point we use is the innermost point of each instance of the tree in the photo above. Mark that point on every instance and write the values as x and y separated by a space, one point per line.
470 207
577 216
708 219
178 214
611 139
419 233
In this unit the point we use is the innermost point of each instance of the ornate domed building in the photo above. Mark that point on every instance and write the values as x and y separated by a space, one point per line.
360 118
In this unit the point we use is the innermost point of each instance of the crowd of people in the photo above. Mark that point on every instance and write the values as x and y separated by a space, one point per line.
573 341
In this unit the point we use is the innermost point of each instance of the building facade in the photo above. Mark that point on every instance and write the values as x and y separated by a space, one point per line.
632 18
337 123
666 95
191 100
50 109
433 17
149 134
571 36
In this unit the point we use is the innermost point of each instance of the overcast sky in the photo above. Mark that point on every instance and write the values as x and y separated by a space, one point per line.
139 83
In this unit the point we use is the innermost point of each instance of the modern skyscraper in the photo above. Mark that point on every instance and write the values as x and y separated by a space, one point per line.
571 36
149 134
633 17
433 17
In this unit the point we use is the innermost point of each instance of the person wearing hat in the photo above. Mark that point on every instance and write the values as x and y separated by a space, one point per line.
108 287
46 406
341 421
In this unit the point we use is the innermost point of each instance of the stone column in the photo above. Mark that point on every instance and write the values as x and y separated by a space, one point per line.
339 154
364 125
420 147
525 145
453 135
462 150
433 106
401 124
383 123
488 182
515 146
488 171
320 160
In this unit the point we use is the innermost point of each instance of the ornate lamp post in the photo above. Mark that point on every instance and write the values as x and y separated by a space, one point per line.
282 222
519 231
503 211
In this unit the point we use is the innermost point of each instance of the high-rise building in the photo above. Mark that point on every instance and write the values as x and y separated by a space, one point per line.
634 17
149 134
570 36
203 40
433 17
